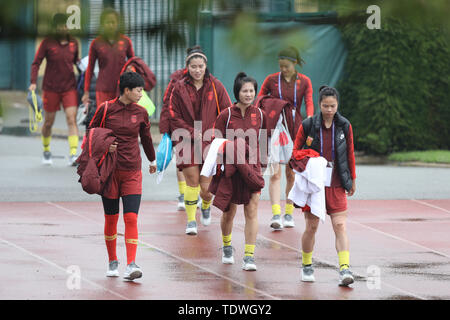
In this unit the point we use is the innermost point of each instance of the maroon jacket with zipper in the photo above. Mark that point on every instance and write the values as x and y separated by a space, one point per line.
139 66
187 105
164 118
96 164
128 123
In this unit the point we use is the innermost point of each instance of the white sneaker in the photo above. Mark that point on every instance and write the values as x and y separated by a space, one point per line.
191 228
47 158
72 160
276 223
346 278
113 270
227 255
248 264
132 272
181 206
308 274
288 221
205 217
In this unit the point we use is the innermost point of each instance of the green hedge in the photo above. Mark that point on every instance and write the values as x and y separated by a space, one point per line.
395 89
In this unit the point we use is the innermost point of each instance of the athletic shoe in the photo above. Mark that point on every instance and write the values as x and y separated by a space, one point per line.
276 223
132 272
248 264
227 255
181 206
191 228
288 221
47 158
205 218
72 161
308 273
345 277
113 269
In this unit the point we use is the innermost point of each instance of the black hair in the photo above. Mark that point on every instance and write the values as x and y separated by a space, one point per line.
59 19
195 49
130 80
239 81
291 53
326 91
107 11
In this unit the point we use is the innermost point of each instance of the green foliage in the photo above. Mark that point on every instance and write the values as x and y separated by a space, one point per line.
431 156
395 90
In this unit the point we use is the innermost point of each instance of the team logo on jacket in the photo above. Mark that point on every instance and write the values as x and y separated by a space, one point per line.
72 47
133 118
121 45
272 114
210 95
253 118
309 141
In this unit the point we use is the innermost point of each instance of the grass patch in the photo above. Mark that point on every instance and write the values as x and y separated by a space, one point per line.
429 156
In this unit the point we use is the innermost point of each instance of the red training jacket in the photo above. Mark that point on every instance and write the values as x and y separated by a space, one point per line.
164 118
304 91
127 122
111 59
59 75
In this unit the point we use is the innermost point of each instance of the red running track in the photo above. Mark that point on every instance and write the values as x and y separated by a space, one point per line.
405 242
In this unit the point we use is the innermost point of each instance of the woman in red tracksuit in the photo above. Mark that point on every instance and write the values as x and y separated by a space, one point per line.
164 127
330 135
111 49
195 102
59 84
292 86
243 115
128 121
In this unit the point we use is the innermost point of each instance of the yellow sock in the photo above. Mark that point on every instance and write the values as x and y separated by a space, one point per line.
249 250
226 240
344 260
73 144
181 186
206 204
289 208
46 142
276 209
306 258
190 202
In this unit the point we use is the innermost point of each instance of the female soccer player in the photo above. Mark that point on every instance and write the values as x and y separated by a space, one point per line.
197 97
242 115
330 135
292 86
128 121
59 84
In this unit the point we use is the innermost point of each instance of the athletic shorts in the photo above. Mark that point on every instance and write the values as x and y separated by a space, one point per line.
102 96
124 183
53 100
335 200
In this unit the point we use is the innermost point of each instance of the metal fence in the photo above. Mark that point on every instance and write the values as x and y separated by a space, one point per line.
138 15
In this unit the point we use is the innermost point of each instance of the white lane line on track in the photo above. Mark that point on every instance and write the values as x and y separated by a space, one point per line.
174 256
330 263
51 263
430 205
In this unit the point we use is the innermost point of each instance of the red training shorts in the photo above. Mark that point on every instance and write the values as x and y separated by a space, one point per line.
124 183
52 100
335 200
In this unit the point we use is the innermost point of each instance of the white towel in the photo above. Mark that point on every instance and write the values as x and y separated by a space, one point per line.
309 187
210 164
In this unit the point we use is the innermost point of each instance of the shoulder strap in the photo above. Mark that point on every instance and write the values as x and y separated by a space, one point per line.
215 94
104 114
229 116
260 128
